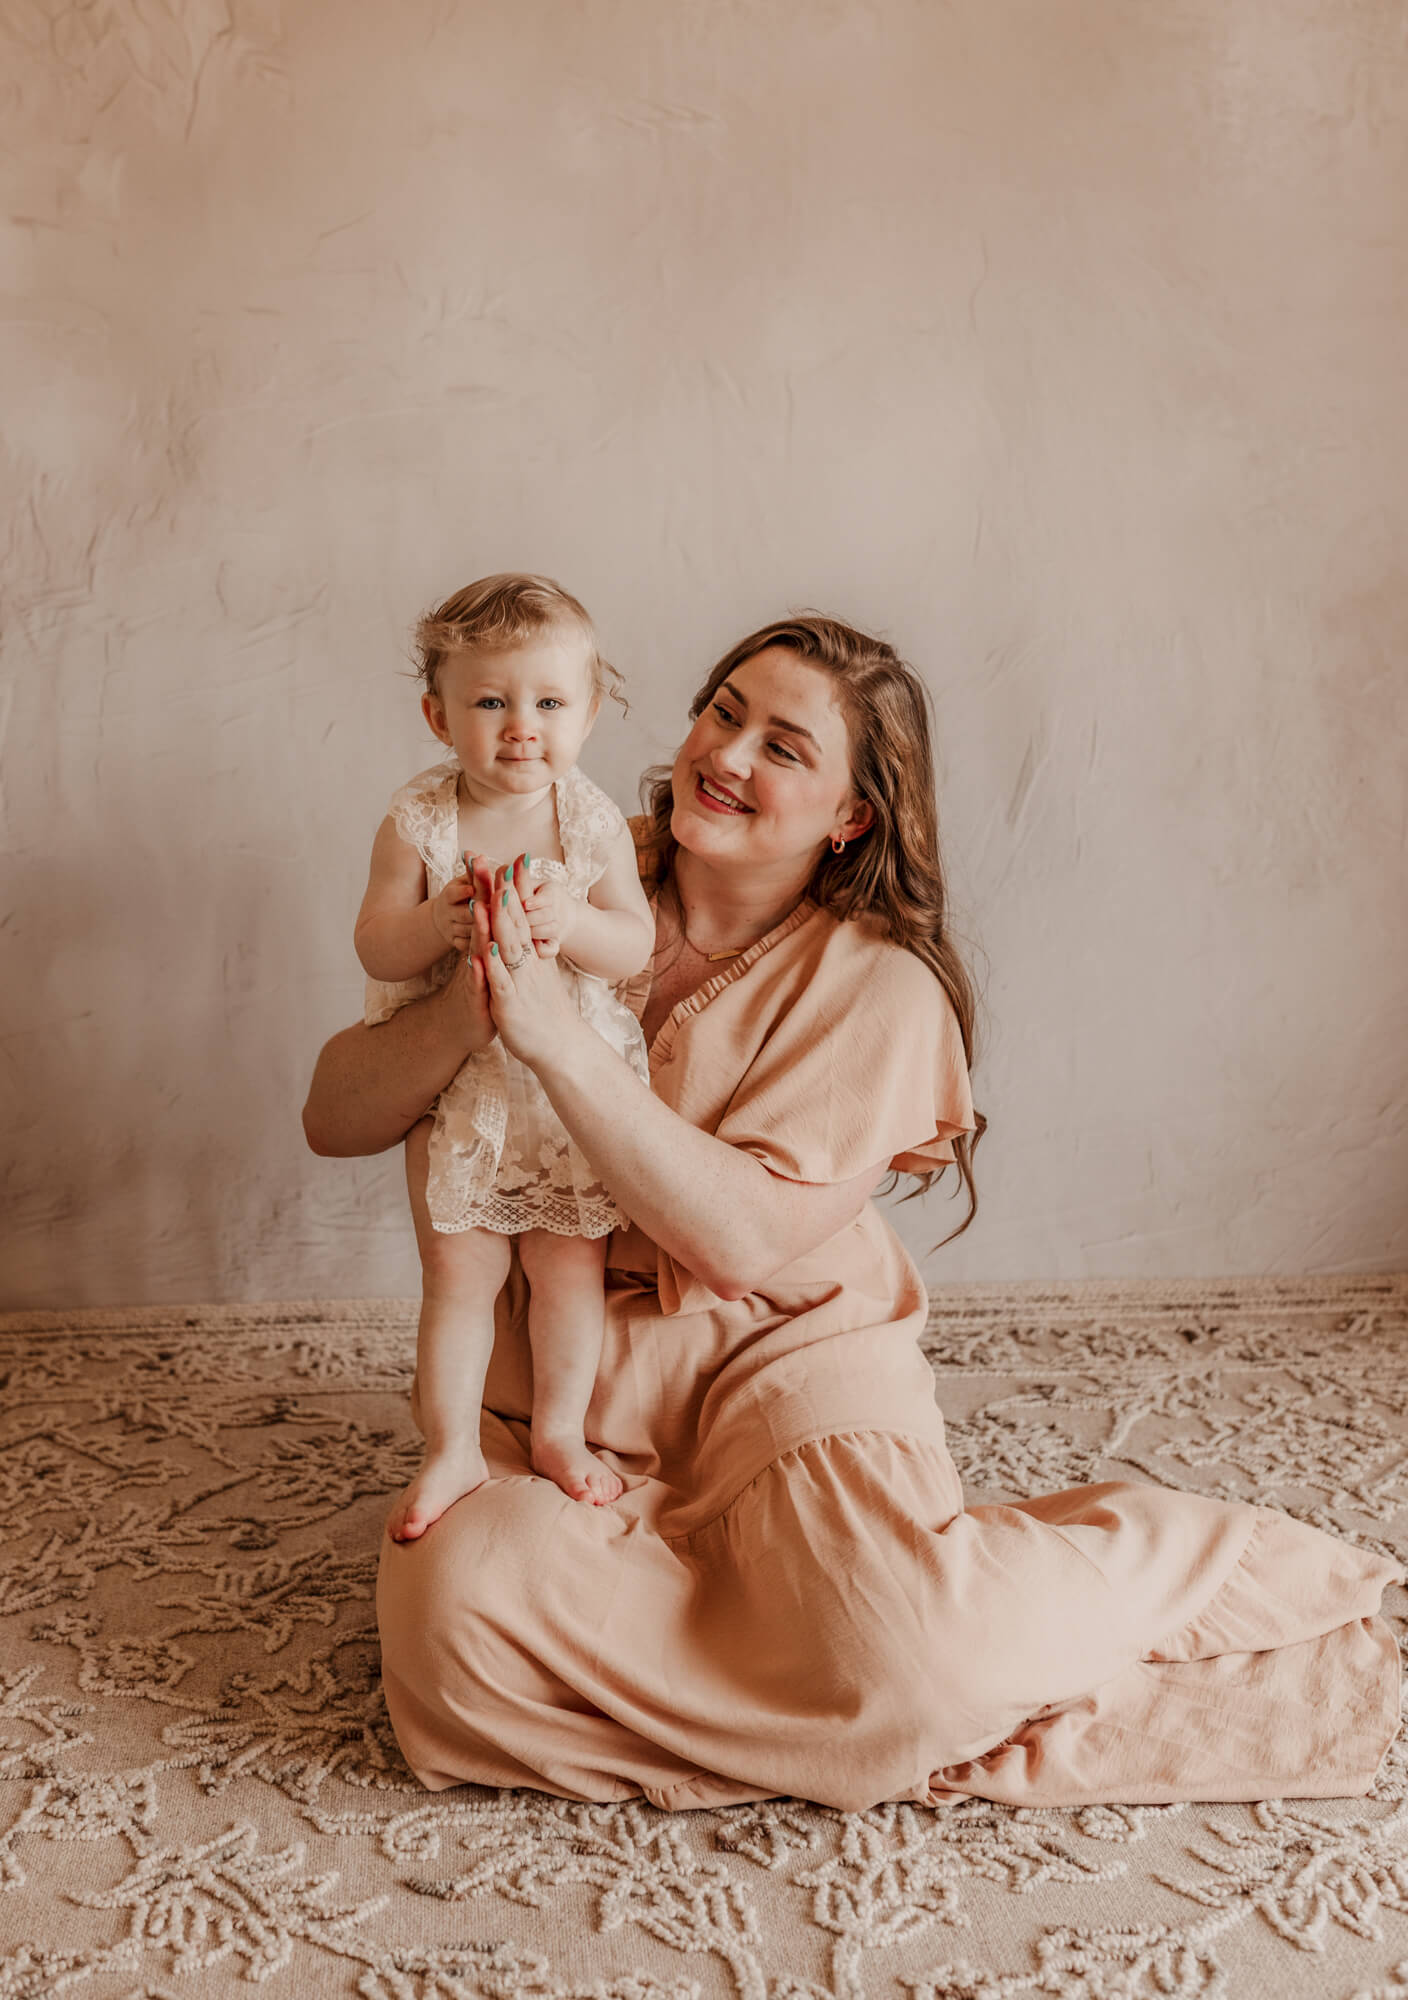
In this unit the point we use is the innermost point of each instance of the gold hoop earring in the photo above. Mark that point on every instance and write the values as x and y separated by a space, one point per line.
838 846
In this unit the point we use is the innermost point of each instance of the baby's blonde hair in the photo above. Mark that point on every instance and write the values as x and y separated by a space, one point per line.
504 610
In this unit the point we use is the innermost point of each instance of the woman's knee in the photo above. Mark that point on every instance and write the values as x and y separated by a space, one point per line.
469 1568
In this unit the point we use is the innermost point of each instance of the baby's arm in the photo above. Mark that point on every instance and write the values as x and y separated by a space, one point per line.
399 931
612 934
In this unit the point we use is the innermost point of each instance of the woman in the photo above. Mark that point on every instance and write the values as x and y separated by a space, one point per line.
788 1597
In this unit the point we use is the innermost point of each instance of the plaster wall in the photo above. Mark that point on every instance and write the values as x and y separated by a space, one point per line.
1063 344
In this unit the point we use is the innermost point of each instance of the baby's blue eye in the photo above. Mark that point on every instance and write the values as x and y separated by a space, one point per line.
550 701
488 701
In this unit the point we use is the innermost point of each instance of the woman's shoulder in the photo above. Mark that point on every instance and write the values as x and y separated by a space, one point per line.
851 1054
847 976
858 951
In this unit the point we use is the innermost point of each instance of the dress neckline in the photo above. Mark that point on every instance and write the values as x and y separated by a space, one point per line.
452 766
695 1002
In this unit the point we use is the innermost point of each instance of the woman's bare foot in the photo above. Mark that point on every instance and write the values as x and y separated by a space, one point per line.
562 1456
446 1476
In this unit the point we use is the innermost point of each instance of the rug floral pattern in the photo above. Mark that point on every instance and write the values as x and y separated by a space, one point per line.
199 1789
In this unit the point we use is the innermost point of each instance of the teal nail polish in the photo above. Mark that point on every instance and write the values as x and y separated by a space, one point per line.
493 951
505 898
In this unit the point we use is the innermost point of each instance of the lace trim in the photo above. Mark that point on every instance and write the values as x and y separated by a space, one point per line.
587 823
560 1217
425 813
499 1157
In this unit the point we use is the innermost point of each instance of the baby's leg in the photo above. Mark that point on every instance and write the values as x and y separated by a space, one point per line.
566 1323
461 1276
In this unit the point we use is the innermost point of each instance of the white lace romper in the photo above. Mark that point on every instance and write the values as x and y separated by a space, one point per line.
499 1157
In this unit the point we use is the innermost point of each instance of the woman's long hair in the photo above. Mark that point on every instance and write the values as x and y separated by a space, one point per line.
893 871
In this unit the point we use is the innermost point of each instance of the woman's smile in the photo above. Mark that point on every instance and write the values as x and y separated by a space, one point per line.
769 744
713 795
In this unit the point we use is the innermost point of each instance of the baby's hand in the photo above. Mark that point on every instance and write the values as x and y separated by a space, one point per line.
551 913
452 914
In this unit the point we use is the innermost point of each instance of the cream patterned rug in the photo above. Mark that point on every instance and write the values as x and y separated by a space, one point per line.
200 1789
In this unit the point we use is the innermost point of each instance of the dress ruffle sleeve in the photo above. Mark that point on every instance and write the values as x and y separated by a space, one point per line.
866 1066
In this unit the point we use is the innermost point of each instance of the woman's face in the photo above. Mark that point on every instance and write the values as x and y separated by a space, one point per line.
764 777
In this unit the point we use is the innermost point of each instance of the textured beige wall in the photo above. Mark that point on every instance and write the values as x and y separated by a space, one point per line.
1061 342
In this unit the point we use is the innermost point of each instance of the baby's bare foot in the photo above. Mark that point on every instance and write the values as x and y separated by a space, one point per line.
446 1476
562 1456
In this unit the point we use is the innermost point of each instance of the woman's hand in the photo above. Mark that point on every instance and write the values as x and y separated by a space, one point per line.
467 991
526 998
372 1084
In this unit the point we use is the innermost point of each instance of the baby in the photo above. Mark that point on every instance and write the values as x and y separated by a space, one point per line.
513 681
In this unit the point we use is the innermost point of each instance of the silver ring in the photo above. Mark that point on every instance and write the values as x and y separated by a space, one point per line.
513 964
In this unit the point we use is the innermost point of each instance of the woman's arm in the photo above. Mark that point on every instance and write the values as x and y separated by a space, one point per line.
714 1209
370 1085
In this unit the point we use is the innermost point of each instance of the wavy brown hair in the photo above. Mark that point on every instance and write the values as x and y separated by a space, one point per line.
893 871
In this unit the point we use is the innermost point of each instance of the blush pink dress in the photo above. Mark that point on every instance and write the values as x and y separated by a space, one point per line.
789 1598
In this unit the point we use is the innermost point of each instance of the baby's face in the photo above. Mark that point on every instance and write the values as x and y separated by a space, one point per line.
515 718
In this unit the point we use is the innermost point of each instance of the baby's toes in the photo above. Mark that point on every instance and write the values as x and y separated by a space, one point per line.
603 1485
406 1522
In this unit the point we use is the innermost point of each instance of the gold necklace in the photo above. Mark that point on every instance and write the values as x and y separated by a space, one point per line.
710 955
737 949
